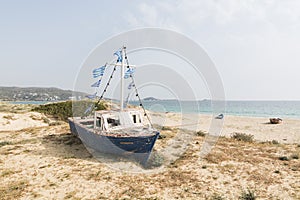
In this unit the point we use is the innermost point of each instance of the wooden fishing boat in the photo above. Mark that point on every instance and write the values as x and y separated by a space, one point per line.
122 132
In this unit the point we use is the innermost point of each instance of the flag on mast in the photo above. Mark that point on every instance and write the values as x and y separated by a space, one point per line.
89 109
99 71
128 73
130 85
96 84
119 54
92 96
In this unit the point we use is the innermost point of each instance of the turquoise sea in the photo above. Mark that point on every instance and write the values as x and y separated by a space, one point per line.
282 109
30 102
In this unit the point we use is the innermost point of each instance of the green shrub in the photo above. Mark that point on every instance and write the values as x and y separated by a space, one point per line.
166 128
63 110
274 142
247 195
284 158
200 133
242 137
216 196
295 156
3 143
9 117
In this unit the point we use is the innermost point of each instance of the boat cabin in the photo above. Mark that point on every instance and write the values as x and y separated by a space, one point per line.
114 120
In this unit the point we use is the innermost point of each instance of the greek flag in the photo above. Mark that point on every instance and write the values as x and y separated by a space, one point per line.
119 54
92 96
130 85
89 109
99 71
128 73
96 84
126 101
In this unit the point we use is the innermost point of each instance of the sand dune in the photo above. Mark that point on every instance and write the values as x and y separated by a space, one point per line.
14 121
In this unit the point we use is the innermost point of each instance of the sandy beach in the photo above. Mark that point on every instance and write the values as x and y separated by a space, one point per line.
259 127
42 161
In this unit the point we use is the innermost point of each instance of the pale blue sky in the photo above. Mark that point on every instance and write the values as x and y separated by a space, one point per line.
255 45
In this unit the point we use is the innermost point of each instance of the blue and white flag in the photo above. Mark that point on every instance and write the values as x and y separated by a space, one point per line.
119 54
92 96
126 101
96 84
130 85
99 71
89 109
128 73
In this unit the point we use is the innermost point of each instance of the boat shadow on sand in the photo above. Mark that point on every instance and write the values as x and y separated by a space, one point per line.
63 145
68 146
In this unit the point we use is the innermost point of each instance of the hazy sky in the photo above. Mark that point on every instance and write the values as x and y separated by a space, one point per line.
255 45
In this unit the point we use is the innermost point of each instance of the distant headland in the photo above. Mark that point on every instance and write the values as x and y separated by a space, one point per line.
36 94
150 99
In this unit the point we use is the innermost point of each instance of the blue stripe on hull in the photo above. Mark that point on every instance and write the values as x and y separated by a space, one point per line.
139 147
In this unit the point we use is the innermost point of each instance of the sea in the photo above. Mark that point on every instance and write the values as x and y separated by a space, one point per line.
30 102
281 109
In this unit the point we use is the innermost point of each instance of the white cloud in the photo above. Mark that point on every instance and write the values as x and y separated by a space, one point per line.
188 15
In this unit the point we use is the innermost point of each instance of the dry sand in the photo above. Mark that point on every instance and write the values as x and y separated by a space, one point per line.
47 162
13 121
259 127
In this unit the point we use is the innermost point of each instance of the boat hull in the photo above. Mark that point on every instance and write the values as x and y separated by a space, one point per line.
136 147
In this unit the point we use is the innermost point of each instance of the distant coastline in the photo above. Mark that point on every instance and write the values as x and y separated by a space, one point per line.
30 102
24 94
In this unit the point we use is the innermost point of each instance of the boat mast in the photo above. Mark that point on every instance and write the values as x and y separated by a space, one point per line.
122 78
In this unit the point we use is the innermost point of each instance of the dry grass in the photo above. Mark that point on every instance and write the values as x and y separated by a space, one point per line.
57 163
243 137
13 190
9 117
4 143
201 133
7 172
247 195
15 108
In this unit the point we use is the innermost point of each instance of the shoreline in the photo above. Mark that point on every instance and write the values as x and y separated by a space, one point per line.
288 132
230 114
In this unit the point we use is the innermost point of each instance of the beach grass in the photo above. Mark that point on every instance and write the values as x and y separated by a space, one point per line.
6 107
13 190
243 137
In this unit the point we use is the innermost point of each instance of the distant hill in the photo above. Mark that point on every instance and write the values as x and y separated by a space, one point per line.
36 94
150 99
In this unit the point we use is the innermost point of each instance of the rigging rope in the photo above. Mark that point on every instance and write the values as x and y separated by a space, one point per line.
107 84
136 91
